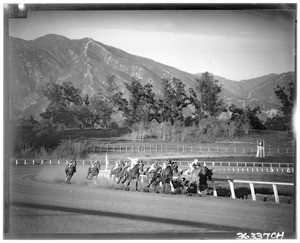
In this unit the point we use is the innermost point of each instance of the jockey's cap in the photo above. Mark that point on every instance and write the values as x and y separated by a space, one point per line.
195 161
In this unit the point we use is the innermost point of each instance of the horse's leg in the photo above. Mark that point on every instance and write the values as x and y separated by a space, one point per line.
157 184
198 187
126 177
172 187
120 177
136 184
128 188
164 186
152 180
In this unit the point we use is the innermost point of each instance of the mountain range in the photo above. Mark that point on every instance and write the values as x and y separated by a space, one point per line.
88 64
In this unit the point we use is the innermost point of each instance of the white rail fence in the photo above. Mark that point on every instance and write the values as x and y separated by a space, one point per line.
118 149
235 167
252 189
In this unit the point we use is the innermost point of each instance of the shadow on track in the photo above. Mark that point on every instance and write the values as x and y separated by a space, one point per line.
214 227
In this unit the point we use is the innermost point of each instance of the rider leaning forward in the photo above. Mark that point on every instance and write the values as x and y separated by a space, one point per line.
73 162
194 165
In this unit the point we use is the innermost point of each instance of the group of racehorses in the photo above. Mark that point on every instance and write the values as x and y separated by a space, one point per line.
178 180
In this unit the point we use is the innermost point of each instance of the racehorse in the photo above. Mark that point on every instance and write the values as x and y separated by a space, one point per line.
164 175
131 174
70 170
198 177
117 169
93 170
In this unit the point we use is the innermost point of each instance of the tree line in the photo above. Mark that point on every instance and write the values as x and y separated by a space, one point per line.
175 115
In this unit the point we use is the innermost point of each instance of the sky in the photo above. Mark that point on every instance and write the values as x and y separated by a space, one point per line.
235 44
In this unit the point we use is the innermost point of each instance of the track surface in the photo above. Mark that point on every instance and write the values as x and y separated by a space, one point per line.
41 205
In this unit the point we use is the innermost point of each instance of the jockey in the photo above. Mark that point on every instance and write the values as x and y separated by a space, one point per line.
166 165
133 162
117 164
193 166
73 162
94 164
153 167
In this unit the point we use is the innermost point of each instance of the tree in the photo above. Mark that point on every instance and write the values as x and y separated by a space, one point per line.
32 135
173 101
100 111
207 86
246 119
287 98
64 101
142 105
69 108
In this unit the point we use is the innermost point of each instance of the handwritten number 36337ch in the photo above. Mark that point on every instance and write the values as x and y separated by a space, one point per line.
260 236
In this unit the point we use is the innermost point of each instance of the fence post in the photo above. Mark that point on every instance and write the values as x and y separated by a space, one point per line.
232 189
106 162
252 191
50 161
275 193
25 162
16 162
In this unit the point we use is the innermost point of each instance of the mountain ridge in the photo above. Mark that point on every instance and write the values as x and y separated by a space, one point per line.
87 63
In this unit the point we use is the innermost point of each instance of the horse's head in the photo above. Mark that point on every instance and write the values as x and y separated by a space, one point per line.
208 173
141 165
98 163
175 167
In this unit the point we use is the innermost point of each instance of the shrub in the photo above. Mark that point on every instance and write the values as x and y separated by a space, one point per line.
66 149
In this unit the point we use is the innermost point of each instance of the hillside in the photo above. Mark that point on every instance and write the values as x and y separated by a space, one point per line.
87 64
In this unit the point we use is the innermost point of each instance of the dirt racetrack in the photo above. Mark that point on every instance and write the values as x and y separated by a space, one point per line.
40 205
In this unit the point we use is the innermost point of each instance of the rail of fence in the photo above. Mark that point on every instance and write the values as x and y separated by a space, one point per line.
236 167
252 189
184 148
231 185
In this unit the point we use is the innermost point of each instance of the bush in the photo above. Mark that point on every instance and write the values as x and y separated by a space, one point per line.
67 149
